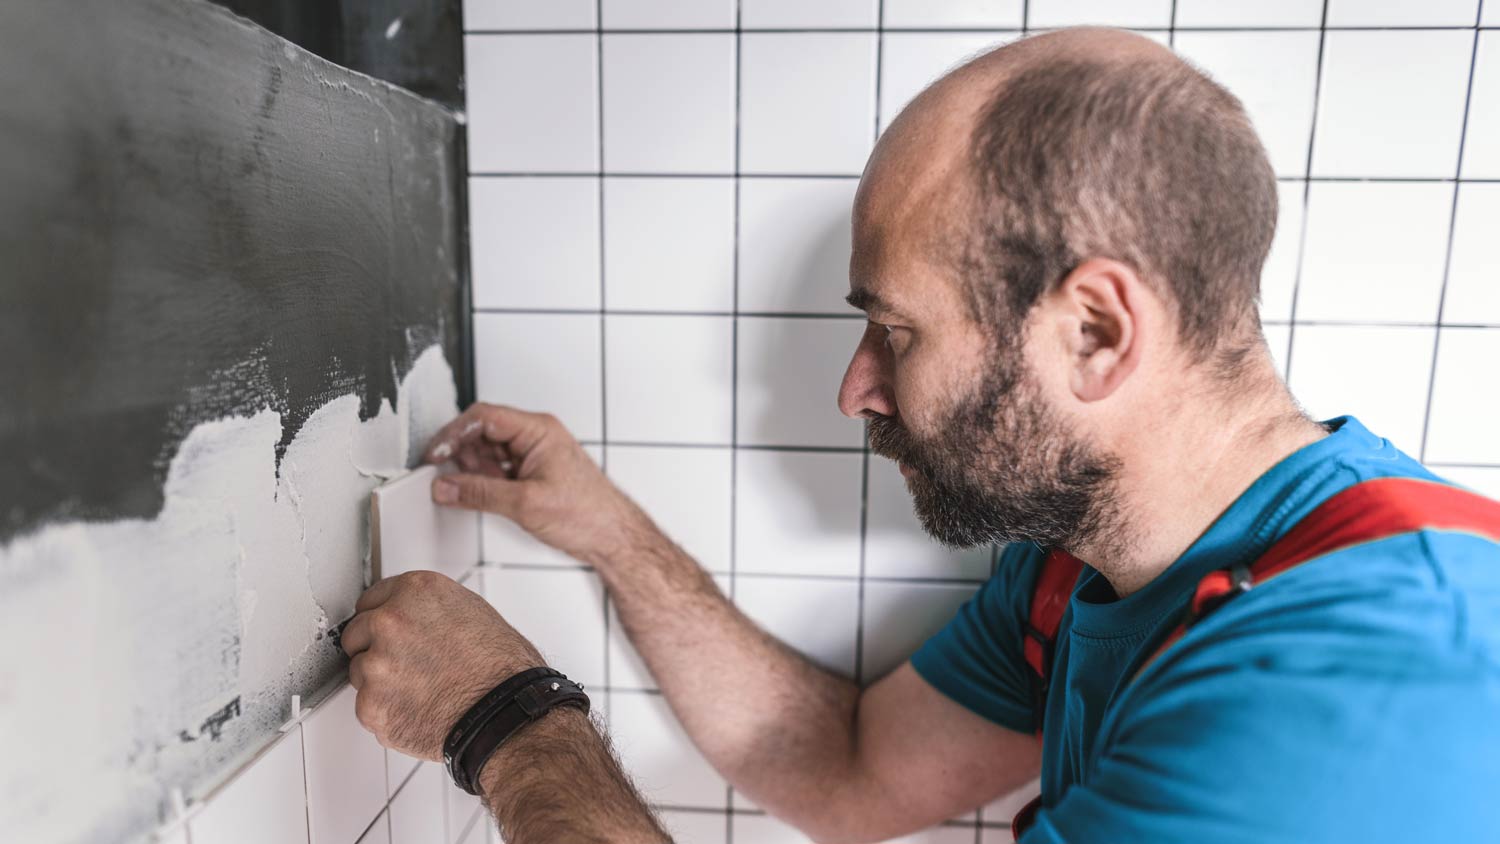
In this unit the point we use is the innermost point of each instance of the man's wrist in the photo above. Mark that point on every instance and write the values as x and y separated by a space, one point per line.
528 747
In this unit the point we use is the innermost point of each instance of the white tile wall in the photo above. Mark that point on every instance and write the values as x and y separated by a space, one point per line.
685 319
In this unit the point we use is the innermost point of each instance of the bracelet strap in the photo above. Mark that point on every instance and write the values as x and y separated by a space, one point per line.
502 713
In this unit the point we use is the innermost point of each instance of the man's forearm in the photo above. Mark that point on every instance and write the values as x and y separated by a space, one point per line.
556 782
776 726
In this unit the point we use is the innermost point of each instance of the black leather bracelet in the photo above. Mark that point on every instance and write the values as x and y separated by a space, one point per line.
502 713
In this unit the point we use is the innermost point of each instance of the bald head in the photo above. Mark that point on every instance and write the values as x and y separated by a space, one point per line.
1079 144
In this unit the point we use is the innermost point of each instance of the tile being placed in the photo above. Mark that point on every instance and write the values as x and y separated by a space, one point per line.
418 812
264 801
408 532
346 785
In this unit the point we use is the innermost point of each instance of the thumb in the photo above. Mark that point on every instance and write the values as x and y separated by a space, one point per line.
477 492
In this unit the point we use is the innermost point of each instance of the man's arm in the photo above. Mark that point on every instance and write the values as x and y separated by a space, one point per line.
803 743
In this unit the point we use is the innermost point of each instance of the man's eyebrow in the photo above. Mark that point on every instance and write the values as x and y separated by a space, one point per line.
867 301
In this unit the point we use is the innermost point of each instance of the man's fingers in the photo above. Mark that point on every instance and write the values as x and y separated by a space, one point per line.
373 597
357 671
500 496
356 636
494 423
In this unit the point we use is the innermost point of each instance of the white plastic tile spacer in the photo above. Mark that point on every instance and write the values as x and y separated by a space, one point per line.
297 713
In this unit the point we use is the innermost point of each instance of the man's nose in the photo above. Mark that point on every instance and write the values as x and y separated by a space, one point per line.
866 386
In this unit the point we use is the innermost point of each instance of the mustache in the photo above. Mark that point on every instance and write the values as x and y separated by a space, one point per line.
891 440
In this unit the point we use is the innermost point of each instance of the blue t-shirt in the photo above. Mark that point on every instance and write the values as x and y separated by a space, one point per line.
1353 698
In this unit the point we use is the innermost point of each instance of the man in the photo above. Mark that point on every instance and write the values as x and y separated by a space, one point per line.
1058 247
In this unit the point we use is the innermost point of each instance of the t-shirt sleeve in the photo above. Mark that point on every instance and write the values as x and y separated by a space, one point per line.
977 659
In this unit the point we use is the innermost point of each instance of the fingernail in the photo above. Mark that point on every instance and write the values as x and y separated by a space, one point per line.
442 451
444 491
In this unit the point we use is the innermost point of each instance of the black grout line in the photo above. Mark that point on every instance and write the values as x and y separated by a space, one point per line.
1458 168
1312 136
734 365
938 30
1172 27
603 338
626 312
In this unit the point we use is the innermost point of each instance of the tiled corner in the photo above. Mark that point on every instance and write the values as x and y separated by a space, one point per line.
560 610
1376 373
1124 13
895 543
794 244
669 14
346 784
807 102
564 382
1465 401
1473 291
547 83
798 14
669 103
937 14
686 491
910 61
1482 145
797 512
669 243
1219 13
660 757
788 381
1278 278
669 378
529 14
534 242
264 801
899 617
1378 119
1399 13
818 618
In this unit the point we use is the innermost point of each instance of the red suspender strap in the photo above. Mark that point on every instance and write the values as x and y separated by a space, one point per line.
1049 600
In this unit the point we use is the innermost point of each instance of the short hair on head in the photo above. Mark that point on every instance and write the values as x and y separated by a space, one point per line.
1142 160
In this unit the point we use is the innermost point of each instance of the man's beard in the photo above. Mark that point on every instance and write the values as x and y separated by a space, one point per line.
1003 468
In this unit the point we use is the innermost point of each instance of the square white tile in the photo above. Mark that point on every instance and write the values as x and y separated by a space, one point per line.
807 102
379 831
534 242
1465 401
899 617
627 669
669 14
1378 374
1375 251
910 61
1473 294
503 541
346 785
409 532
264 801
1484 480
992 14
1127 13
1402 13
528 14
695 827
1490 16
799 14
895 543
1482 145
1378 119
669 243
789 375
1278 277
1260 13
818 618
658 755
795 244
543 363
417 811
1278 339
561 611
545 83
669 378
686 491
398 769
1274 74
798 512
669 103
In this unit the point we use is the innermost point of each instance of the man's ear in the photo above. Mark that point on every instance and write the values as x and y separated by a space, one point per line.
1103 304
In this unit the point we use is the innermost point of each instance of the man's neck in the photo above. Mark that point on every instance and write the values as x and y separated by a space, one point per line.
1177 479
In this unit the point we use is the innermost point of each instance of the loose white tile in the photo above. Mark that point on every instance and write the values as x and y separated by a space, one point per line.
795 244
346 785
1473 294
464 812
798 513
695 827
669 103
1484 480
545 83
1375 251
503 541
1402 13
1482 146
379 831
895 543
1465 403
1130 13
789 375
264 801
910 61
534 242
1377 118
994 14
1261 13
417 811
899 617
528 14
669 244
1278 278
669 14
543 363
797 14
807 102
398 769
410 532
1278 339
686 491
560 611
1274 74
818 618
1378 374
669 378
660 757
627 669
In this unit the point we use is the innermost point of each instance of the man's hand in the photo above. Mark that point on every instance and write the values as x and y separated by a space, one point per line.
529 469
422 650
